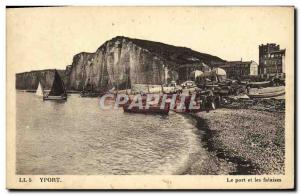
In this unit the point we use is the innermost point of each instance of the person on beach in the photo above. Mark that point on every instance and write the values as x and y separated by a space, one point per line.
209 101
248 89
217 100
187 103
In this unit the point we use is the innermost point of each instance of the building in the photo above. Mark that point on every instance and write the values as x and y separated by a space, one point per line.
185 70
271 60
240 69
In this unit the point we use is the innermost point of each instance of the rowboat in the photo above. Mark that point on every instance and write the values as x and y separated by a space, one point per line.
259 84
144 110
267 94
51 97
152 109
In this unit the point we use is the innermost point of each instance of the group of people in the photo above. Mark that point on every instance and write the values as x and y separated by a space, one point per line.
209 100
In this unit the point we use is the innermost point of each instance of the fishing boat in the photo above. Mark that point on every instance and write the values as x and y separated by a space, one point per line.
153 109
259 84
88 91
89 94
58 90
40 90
267 94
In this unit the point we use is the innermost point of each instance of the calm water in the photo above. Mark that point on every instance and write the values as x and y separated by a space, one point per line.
77 137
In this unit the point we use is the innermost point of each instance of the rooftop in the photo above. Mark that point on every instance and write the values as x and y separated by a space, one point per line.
237 63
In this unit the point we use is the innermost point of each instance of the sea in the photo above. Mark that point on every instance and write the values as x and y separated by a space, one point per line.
77 137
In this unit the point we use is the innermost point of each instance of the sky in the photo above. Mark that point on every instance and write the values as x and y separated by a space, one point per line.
41 38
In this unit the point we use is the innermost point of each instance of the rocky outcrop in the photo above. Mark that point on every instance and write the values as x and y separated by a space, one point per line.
30 80
121 62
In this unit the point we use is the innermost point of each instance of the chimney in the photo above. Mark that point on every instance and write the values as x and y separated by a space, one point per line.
241 59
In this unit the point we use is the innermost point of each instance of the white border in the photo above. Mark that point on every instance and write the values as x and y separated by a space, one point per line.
150 2
105 2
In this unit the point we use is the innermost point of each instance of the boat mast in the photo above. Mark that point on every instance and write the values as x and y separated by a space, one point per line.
162 87
126 86
117 80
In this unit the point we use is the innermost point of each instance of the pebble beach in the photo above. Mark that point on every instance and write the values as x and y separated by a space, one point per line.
241 142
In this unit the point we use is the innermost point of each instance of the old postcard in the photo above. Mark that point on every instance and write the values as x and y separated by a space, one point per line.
150 97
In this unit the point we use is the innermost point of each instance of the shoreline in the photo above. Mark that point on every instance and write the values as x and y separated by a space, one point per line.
221 151
237 142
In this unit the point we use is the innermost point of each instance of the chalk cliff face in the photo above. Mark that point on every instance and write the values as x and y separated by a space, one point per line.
30 80
120 63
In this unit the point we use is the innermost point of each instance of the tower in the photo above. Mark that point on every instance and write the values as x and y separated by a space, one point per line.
271 59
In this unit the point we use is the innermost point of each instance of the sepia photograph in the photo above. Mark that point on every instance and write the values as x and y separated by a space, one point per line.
150 97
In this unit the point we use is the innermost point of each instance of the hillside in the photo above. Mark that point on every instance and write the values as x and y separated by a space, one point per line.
122 61
171 53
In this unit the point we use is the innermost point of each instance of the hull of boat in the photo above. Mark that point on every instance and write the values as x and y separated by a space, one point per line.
89 95
143 110
55 98
39 94
259 84
267 95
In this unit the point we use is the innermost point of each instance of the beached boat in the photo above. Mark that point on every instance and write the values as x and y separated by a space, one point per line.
267 94
153 109
58 90
144 110
259 84
40 90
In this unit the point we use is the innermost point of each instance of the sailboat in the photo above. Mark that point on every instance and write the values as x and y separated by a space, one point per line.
40 90
58 90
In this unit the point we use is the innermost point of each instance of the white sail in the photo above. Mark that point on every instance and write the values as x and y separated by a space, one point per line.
40 90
